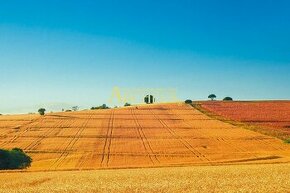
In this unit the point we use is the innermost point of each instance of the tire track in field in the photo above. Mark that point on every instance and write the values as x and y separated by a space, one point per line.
219 139
185 143
107 146
83 158
70 145
69 148
270 144
238 148
145 142
17 135
37 142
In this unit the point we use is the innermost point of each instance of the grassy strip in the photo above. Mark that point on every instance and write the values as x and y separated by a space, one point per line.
263 130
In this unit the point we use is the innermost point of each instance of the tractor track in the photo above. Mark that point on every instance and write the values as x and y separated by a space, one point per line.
107 146
240 148
17 135
145 142
70 145
219 139
183 141
37 142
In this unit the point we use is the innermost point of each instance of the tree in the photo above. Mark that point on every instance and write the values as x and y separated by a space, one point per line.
188 101
228 99
75 108
41 111
104 106
127 104
14 159
212 96
149 99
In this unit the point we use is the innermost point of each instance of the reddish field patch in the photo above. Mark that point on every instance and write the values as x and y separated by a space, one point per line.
270 115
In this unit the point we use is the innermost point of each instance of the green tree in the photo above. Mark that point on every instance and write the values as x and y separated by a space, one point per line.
149 99
41 111
211 96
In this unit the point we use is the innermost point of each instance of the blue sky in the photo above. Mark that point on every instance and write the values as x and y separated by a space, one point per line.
62 53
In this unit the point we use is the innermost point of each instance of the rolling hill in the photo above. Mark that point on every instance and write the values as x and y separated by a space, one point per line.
157 135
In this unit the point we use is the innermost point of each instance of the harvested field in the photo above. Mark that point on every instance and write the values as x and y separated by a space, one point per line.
268 178
148 136
272 116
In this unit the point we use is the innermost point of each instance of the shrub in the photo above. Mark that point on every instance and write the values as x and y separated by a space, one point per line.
188 101
14 159
75 108
104 106
228 99
287 140
127 104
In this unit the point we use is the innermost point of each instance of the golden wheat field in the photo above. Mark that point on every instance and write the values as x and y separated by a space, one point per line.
264 178
134 137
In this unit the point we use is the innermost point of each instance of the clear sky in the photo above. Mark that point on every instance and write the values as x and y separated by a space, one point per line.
61 53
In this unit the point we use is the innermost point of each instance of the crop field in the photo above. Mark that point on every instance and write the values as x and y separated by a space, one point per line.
264 178
136 137
271 115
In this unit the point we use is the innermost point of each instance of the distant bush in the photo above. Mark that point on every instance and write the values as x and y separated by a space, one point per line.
188 101
104 106
127 104
14 159
75 108
287 140
41 111
68 110
228 99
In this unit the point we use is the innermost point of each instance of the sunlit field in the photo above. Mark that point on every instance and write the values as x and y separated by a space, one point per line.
133 137
148 148
268 178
